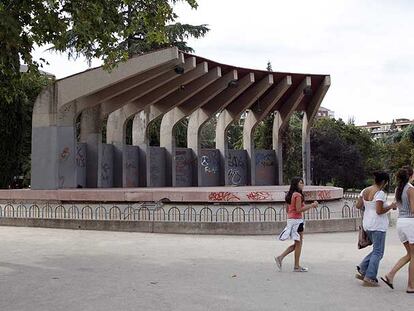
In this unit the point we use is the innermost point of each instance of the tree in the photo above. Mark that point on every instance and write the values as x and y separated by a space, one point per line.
110 30
292 148
334 160
269 66
208 134
263 135
16 130
235 134
264 131
342 154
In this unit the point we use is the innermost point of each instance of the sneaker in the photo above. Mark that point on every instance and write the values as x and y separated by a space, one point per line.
359 275
300 269
278 263
370 283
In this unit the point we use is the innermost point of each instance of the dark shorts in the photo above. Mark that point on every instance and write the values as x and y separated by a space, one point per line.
300 228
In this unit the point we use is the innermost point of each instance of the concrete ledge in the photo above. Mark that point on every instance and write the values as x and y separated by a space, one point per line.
225 194
231 228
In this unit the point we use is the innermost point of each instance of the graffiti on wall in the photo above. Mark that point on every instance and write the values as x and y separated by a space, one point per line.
321 195
235 161
209 164
183 167
265 159
236 169
259 196
234 176
64 155
222 196
80 156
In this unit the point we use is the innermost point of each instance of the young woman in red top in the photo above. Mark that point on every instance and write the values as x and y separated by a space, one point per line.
295 224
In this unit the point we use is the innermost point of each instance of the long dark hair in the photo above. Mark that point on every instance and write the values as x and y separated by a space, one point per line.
403 176
382 177
294 187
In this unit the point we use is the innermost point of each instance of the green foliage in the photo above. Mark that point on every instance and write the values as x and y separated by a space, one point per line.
269 66
263 134
16 129
180 132
208 134
334 159
110 30
292 148
235 135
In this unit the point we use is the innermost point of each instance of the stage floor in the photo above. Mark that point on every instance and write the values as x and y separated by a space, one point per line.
246 194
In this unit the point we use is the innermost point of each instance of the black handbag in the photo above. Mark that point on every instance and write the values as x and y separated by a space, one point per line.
363 238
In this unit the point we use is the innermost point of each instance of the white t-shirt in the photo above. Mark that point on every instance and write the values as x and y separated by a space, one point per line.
372 221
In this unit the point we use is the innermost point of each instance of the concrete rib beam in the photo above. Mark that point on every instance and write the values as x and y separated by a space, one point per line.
126 85
145 88
117 120
91 81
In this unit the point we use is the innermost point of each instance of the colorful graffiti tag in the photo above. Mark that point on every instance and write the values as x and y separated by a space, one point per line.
223 197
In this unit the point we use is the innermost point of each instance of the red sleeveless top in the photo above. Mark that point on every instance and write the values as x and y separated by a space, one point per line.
292 213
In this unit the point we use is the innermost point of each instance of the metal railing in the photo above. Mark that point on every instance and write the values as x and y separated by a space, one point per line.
158 211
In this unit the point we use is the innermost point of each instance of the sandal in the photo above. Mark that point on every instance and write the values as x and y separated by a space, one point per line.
278 263
386 280
300 269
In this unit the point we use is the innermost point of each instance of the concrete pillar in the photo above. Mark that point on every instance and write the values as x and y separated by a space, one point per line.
233 111
281 121
308 118
117 119
199 117
90 133
278 147
140 138
167 140
255 115
172 117
306 150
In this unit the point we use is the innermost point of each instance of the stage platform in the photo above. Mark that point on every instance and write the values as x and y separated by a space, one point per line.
224 194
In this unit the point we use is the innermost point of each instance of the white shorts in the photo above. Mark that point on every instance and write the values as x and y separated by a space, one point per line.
405 229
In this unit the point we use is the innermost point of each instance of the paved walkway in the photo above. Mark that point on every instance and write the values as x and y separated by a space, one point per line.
47 269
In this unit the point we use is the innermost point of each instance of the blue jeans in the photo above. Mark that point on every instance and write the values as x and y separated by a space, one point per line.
369 266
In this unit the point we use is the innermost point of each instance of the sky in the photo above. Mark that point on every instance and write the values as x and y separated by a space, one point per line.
366 46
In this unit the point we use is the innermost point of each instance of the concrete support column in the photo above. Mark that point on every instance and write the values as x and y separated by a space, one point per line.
255 115
199 117
233 112
140 138
308 118
278 147
281 121
66 146
195 122
167 140
91 127
306 150
148 97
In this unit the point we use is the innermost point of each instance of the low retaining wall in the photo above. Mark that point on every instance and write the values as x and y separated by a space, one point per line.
236 228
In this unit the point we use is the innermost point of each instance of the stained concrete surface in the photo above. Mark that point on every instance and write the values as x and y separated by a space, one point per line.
51 269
